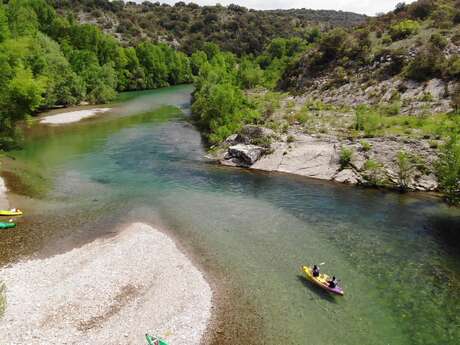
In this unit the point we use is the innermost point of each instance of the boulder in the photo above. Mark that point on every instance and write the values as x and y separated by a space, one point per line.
245 154
235 139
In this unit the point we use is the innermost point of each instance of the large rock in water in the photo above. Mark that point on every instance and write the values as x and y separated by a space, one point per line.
244 155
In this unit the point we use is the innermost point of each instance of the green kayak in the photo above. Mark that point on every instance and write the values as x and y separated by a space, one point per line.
155 340
7 225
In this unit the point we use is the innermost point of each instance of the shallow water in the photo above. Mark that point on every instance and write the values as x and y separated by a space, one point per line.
397 256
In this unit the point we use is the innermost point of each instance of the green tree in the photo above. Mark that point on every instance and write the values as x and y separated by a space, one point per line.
197 60
24 93
153 62
249 73
22 18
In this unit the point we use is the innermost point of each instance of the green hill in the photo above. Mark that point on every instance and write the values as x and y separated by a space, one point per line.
189 26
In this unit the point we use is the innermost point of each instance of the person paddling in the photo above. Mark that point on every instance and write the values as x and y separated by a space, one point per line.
315 271
333 283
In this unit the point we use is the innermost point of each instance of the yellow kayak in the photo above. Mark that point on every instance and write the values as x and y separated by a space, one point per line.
11 213
322 281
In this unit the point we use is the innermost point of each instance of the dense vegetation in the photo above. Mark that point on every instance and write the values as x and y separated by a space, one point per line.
221 106
47 60
189 26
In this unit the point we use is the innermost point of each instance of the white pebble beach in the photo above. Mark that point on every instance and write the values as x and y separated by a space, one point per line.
71 116
110 291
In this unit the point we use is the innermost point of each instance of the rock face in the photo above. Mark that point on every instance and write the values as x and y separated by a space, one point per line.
244 155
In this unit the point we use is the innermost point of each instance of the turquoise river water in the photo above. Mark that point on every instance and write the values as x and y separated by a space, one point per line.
397 256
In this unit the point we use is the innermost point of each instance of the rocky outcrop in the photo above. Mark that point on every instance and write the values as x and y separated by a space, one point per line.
374 162
307 156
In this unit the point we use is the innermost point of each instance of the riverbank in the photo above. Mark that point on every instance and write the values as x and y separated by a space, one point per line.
110 291
391 162
72 116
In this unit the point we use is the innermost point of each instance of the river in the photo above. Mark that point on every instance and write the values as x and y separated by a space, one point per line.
397 256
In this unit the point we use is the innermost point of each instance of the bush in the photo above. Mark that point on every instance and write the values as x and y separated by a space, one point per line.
453 67
421 9
373 172
290 139
366 146
427 64
404 29
443 17
391 109
448 170
367 120
438 41
345 157
386 39
405 168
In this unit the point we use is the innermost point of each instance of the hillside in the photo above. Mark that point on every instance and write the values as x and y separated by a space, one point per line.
375 105
189 26
409 58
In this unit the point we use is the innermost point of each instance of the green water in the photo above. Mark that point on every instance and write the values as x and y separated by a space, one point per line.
397 255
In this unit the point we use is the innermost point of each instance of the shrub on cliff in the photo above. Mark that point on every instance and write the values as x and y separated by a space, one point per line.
345 157
404 29
448 170
428 63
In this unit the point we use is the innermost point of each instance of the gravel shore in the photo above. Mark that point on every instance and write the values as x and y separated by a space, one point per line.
110 291
72 116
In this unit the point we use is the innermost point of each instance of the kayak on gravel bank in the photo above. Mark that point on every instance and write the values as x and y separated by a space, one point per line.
7 225
10 213
154 340
322 281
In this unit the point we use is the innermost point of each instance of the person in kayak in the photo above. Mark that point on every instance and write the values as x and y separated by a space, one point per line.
333 283
315 271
